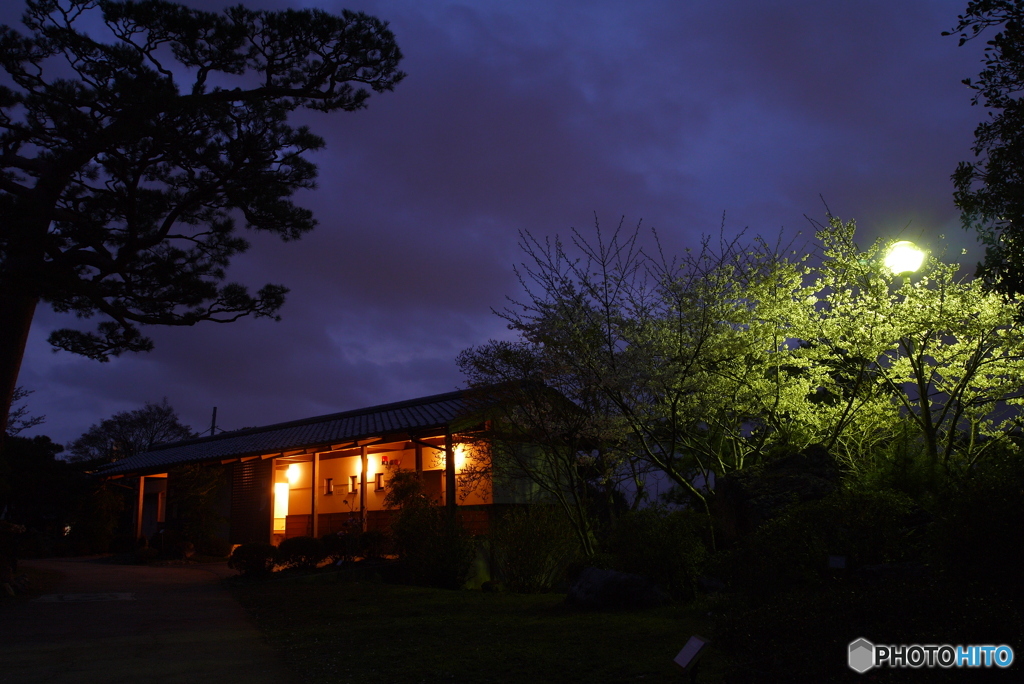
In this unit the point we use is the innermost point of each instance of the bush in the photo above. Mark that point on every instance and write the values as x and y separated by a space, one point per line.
981 512
217 547
867 527
533 548
253 559
145 555
96 520
340 546
373 544
301 552
9 533
434 547
194 490
665 546
123 543
168 542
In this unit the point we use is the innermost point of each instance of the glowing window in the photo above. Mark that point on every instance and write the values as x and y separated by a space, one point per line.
280 506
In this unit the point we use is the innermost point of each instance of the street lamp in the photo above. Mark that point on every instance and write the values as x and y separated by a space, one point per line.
903 257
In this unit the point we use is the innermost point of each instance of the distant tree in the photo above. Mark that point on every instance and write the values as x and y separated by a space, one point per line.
19 419
125 164
990 190
549 434
130 432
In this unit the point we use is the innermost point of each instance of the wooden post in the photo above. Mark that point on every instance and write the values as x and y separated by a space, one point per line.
138 507
272 500
449 471
362 487
419 457
316 492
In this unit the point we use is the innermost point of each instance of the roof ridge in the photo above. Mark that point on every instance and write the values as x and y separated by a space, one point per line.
379 408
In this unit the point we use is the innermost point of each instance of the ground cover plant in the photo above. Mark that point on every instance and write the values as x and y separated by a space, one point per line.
343 631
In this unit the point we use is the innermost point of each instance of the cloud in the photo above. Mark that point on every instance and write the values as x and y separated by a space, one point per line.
535 116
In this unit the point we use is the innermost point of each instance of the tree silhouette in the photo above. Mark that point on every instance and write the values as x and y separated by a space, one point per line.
125 164
990 190
127 433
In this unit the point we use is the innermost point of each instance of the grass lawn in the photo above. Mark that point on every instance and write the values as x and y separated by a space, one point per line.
341 631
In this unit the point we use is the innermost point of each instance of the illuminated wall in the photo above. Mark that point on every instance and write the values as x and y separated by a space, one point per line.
298 489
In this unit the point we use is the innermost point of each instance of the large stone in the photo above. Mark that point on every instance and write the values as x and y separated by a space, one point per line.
600 589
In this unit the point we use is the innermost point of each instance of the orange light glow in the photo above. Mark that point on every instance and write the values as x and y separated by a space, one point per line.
292 473
280 505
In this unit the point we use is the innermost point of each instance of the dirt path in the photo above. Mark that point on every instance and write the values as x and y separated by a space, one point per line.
125 624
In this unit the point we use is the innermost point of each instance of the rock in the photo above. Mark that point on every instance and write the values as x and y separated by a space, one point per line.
599 589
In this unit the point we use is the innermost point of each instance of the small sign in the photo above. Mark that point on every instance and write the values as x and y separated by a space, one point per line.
693 649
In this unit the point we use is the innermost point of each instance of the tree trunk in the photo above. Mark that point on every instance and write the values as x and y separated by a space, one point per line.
16 312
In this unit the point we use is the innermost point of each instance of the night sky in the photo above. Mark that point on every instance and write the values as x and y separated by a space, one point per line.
537 115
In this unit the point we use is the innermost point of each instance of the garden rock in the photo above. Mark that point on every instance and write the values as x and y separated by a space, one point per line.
600 589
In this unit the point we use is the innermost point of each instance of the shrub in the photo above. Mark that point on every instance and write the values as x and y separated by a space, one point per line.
194 491
171 544
981 512
434 547
122 543
868 527
218 547
665 546
301 552
145 555
373 544
533 547
253 559
96 519
9 533
342 545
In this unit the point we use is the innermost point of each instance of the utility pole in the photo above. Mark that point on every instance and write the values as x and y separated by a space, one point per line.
213 423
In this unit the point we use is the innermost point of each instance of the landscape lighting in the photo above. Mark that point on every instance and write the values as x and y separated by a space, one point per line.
903 257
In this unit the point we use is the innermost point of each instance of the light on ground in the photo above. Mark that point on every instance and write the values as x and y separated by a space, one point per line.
903 257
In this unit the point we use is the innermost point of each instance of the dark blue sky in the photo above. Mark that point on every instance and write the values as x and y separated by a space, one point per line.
536 115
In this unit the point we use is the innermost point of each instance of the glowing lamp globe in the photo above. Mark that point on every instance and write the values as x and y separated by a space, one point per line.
903 257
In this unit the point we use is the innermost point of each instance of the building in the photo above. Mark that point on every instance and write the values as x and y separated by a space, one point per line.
328 474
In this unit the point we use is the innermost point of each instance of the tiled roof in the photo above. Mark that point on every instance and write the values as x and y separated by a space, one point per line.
404 417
